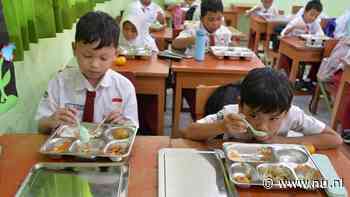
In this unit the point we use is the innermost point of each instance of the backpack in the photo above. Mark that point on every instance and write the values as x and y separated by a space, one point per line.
224 95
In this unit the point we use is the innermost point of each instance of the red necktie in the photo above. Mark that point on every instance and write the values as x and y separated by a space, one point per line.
88 115
212 40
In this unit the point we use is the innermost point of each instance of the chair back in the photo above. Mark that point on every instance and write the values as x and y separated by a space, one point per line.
203 92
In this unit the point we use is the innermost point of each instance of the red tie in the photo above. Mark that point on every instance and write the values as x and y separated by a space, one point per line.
212 40
88 115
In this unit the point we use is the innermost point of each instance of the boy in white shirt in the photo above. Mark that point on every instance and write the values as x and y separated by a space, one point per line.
148 10
305 23
92 91
211 23
266 7
265 102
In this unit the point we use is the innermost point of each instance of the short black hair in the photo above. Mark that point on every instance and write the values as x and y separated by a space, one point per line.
211 6
267 90
314 4
97 26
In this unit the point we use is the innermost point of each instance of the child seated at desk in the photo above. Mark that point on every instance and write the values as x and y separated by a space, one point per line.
135 34
211 23
266 103
266 7
92 91
304 24
217 35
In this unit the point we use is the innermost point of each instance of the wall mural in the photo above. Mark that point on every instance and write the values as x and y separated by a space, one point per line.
8 90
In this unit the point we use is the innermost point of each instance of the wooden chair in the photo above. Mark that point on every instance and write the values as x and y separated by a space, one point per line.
321 87
203 92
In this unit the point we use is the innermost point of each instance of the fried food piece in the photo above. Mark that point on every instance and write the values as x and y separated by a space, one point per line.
120 133
276 173
242 179
266 153
60 148
308 172
115 150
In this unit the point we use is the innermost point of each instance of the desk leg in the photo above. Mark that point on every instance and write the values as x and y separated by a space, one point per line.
256 42
177 108
294 70
339 98
160 108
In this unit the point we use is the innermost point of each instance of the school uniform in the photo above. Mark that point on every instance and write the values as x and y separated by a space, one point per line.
221 37
143 39
319 18
313 28
149 13
296 120
70 88
342 28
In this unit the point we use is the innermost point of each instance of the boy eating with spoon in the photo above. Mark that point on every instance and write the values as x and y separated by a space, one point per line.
266 104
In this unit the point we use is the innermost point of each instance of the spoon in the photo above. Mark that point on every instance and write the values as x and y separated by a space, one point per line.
83 132
95 132
251 128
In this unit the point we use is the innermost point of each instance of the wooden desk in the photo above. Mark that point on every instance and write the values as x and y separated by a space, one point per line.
338 158
344 84
20 154
163 38
260 25
232 13
150 79
294 48
189 74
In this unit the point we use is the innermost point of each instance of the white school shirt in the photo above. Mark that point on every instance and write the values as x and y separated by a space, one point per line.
149 13
273 11
342 27
222 36
296 120
314 28
68 89
143 39
301 13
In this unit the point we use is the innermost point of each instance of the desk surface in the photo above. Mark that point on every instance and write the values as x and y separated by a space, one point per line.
21 153
153 67
213 65
167 34
298 44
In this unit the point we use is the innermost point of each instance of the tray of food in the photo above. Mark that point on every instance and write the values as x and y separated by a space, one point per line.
135 52
252 164
110 141
76 179
232 52
314 41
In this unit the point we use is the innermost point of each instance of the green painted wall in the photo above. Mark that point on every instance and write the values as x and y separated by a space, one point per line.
40 63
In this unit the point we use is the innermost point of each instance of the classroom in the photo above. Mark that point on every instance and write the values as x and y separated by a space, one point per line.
174 98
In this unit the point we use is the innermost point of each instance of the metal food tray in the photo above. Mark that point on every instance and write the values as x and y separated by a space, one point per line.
248 164
76 179
65 141
314 41
192 173
232 52
132 52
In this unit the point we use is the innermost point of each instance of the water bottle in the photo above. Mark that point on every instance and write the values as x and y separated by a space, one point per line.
200 45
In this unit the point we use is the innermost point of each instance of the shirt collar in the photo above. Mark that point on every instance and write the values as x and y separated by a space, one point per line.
82 83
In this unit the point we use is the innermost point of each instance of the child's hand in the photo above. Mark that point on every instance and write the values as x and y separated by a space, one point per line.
234 124
160 17
301 26
64 116
115 117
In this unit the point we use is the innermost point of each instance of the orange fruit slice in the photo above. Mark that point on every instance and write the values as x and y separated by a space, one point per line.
120 61
311 148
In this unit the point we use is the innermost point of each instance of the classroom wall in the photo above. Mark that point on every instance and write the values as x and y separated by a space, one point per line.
40 63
